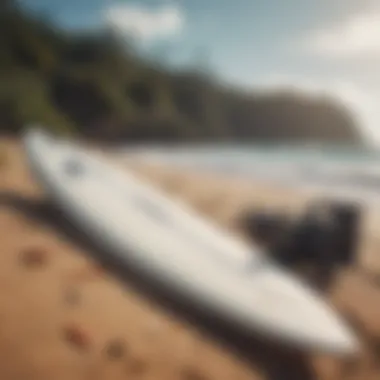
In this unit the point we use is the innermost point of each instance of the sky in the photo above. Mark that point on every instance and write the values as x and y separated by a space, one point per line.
318 46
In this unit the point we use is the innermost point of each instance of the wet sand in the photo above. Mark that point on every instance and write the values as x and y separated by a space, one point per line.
63 316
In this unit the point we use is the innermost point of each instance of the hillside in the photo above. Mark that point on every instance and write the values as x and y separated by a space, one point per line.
94 85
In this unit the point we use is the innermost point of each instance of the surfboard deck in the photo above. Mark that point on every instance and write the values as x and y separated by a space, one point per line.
167 241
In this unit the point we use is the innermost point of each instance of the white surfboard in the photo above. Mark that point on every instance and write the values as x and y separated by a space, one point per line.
166 240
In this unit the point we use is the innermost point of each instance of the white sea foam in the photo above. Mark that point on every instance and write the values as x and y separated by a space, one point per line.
352 175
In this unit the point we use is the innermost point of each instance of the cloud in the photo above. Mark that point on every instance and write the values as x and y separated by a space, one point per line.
356 36
146 24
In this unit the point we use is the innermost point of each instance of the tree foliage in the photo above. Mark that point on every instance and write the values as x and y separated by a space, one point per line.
95 85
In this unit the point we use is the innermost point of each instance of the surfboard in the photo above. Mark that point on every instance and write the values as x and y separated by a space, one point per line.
168 241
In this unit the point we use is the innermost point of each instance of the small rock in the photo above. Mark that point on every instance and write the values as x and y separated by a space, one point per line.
34 257
77 336
116 349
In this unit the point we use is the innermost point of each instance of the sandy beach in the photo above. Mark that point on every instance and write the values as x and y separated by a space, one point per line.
63 316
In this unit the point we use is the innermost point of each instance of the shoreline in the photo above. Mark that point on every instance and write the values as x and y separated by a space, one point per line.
338 184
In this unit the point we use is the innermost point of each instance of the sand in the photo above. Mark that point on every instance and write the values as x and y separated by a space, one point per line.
63 316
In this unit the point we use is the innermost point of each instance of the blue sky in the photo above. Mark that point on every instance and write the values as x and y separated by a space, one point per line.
330 46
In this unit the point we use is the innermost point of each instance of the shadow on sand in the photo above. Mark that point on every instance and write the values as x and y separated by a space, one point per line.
278 363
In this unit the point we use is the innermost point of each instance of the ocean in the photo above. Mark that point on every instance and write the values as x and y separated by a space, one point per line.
348 172
241 159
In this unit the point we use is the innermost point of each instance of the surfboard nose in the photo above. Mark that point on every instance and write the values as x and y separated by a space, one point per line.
344 342
333 334
304 316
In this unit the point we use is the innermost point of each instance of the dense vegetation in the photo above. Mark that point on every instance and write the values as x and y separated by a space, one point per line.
93 85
